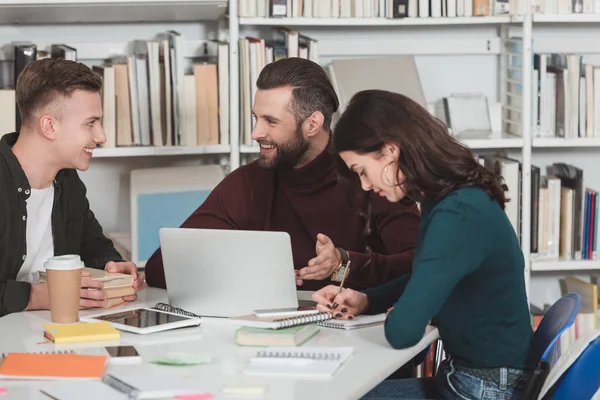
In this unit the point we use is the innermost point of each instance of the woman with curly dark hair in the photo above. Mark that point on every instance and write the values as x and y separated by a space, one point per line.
468 270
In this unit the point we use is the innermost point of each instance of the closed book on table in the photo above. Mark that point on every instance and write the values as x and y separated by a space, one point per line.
38 366
294 336
81 332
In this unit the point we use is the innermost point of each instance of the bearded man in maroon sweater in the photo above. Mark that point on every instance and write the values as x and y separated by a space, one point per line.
293 187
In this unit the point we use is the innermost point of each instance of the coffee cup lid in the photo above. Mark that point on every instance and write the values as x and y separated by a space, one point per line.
65 262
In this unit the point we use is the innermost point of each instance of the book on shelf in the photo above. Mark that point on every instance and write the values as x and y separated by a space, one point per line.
565 215
145 90
373 8
566 95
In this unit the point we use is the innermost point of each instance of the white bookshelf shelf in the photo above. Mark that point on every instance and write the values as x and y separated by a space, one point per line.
245 149
501 142
160 151
494 143
565 265
23 12
561 142
374 21
566 18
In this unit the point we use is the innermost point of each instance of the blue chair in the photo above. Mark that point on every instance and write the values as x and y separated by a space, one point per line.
546 340
582 379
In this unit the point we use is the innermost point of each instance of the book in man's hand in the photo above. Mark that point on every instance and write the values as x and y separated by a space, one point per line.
116 285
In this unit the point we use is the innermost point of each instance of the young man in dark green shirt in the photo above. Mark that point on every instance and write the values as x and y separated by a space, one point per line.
44 211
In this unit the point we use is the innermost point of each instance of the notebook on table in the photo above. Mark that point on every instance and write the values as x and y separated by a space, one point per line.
360 321
80 332
131 385
49 366
280 322
304 362
293 336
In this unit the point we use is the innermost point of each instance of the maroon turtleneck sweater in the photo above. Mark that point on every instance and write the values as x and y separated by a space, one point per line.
304 202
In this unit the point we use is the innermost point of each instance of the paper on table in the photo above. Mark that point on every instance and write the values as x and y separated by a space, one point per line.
94 390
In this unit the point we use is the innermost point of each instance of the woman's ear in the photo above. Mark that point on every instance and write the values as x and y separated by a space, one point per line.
392 149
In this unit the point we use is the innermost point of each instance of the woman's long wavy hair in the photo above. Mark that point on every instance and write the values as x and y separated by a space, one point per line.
433 162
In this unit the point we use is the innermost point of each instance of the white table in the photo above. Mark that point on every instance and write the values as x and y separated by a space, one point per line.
373 359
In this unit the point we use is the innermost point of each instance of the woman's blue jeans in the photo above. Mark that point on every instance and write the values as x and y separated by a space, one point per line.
455 383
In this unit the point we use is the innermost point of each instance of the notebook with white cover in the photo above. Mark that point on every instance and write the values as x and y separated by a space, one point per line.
132 385
279 322
359 321
302 362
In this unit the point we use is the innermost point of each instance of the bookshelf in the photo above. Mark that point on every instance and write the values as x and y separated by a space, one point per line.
562 34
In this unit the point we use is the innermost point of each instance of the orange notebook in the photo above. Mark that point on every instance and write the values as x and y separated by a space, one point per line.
52 366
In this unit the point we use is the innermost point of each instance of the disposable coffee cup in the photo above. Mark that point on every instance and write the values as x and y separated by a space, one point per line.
63 274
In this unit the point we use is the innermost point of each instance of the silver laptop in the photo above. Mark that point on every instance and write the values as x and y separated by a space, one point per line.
227 273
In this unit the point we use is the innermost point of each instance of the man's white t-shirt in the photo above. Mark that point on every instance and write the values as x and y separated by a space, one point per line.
40 244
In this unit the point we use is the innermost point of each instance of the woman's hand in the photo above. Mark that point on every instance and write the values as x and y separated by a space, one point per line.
345 305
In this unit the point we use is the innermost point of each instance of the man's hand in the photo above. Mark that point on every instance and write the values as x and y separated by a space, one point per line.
139 280
91 295
322 266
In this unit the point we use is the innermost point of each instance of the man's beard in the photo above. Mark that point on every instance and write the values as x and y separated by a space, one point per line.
288 154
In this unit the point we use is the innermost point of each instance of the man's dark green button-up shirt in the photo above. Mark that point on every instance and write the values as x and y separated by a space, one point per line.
75 229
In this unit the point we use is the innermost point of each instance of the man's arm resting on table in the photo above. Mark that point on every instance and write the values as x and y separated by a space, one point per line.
14 296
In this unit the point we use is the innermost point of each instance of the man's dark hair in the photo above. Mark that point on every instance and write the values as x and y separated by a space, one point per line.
312 89
50 79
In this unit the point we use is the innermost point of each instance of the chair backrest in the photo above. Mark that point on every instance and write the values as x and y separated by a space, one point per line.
557 320
164 198
547 340
582 379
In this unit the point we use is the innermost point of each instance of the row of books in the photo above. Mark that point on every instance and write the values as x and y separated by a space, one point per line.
567 103
372 8
564 214
564 6
254 54
154 96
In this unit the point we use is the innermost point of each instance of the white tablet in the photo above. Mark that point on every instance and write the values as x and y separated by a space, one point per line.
144 320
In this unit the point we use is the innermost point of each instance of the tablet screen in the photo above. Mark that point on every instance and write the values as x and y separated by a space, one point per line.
142 318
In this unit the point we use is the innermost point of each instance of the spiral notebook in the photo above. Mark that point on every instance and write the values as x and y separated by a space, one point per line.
307 362
127 386
360 321
280 322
